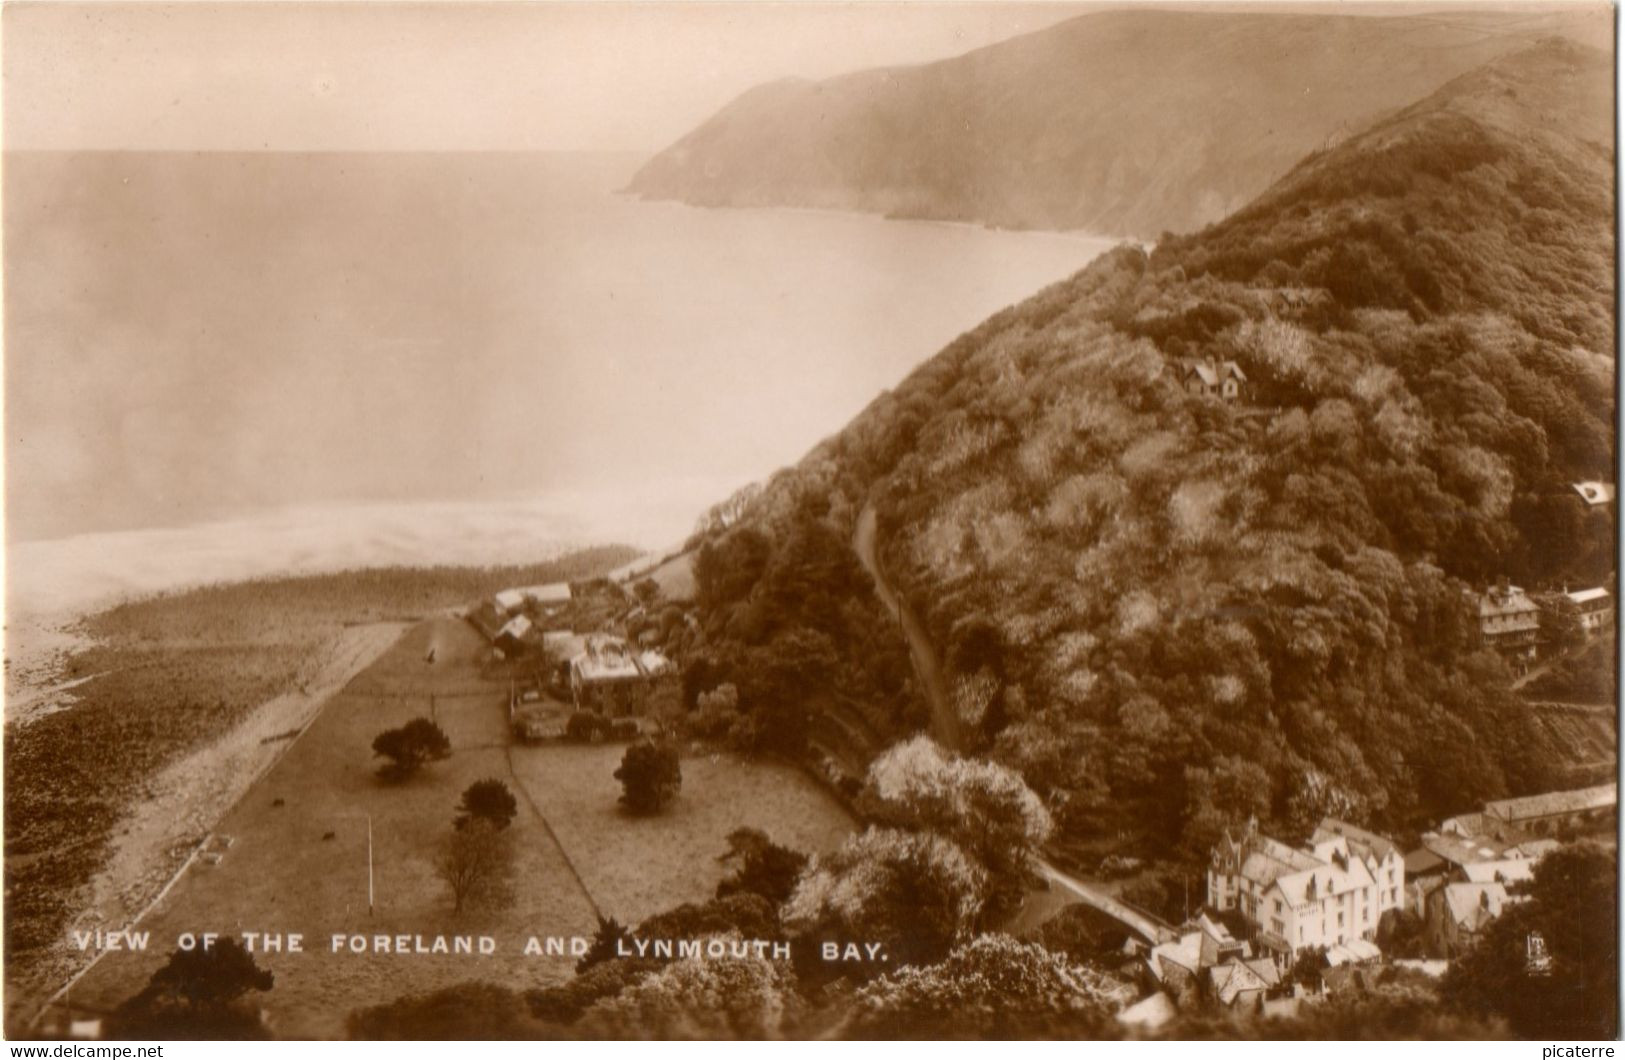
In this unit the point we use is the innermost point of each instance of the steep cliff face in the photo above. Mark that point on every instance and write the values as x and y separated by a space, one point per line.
1125 122
1170 610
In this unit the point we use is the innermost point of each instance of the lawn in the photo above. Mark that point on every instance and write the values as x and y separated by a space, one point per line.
636 866
675 578
281 873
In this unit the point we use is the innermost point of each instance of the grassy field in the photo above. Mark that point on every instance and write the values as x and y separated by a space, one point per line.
675 578
636 866
281 875
172 674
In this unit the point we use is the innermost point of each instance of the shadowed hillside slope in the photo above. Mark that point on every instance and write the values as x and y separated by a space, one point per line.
1172 612
1125 122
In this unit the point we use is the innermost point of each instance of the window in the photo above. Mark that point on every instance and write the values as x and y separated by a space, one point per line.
1339 919
1277 905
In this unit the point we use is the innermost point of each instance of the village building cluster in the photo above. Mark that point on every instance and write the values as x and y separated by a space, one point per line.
1473 865
1523 626
584 662
1336 901
1512 621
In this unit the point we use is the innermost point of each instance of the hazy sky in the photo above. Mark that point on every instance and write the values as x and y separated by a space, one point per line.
322 76
458 75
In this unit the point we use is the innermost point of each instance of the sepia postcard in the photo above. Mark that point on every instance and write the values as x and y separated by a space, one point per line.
685 520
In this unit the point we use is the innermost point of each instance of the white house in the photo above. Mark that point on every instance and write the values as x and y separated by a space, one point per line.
1330 893
1382 859
1594 608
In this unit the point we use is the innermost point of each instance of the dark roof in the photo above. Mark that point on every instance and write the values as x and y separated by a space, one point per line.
1211 373
1380 846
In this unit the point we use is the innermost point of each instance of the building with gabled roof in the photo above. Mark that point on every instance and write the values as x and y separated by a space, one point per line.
611 677
1458 850
1537 815
1382 859
1505 871
1458 913
1509 621
514 635
1306 899
1221 379
1242 982
1594 607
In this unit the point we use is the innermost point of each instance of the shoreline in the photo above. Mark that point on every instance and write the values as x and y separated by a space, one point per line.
218 682
1070 235
161 834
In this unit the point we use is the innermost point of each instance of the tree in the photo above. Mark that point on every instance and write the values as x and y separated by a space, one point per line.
1560 630
487 800
410 747
198 994
745 916
650 776
648 591
1225 795
914 893
778 682
1309 967
765 868
983 807
716 713
727 568
476 865
606 942
563 1004
1401 933
991 987
1402 1005
704 998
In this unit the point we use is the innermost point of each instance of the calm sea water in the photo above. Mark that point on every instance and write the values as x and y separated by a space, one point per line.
240 363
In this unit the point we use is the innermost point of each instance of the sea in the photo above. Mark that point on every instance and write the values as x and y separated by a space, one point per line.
225 365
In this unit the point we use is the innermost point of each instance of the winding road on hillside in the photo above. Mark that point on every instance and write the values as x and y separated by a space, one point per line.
945 728
944 720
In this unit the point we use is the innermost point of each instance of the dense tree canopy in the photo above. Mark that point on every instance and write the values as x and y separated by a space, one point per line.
1169 612
990 988
915 894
